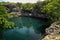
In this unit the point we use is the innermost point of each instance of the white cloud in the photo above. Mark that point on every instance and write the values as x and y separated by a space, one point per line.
23 1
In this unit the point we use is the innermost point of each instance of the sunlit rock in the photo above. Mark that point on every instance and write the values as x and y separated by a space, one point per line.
53 32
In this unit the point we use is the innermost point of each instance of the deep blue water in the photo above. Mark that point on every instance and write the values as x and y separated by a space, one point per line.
26 28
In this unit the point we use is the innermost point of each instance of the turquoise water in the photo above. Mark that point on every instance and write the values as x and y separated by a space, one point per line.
26 28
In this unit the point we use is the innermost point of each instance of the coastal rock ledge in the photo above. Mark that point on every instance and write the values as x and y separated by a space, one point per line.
53 32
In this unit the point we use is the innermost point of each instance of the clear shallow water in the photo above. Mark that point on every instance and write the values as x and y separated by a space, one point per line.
26 28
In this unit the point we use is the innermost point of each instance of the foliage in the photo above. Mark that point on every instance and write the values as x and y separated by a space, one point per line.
27 7
37 7
49 7
4 23
2 10
52 10
19 5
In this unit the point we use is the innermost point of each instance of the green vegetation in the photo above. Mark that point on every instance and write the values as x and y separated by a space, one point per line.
52 10
49 8
27 7
4 23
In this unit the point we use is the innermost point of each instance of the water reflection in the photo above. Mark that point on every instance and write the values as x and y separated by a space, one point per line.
26 29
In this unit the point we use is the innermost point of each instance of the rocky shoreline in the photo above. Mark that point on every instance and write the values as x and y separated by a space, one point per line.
53 32
17 14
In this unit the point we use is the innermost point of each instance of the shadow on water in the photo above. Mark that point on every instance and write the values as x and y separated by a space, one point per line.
26 28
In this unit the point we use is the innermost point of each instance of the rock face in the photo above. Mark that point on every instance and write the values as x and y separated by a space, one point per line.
53 32
52 37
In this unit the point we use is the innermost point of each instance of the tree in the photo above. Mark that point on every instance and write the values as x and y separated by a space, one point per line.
28 7
18 4
38 6
52 10
4 23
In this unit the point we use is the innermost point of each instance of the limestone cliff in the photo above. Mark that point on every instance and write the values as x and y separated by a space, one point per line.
53 32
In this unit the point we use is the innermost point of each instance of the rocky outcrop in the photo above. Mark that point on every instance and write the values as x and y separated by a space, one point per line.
9 7
17 14
52 37
53 32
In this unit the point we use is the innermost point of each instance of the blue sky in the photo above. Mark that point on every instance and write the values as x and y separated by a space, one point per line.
23 1
1 0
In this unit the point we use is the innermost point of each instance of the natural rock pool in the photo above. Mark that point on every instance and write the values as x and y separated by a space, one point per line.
26 28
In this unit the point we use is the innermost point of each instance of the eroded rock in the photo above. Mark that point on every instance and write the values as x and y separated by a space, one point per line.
53 32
